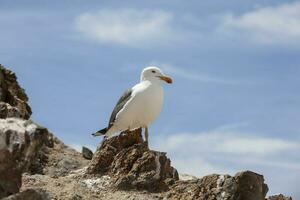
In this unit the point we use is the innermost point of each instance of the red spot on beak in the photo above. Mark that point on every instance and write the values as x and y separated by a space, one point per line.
166 78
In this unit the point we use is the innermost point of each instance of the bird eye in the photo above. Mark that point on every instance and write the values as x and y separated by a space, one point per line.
153 71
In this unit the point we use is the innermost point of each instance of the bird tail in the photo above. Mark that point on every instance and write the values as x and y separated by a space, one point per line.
100 132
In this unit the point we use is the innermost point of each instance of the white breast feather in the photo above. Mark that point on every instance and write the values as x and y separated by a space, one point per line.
142 109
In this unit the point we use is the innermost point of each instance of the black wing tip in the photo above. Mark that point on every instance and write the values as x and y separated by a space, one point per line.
100 132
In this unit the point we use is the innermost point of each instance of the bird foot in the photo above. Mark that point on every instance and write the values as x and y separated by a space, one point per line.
147 144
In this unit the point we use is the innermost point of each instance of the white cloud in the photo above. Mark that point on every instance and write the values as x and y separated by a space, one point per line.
254 145
229 142
127 26
274 24
206 152
270 163
197 166
139 28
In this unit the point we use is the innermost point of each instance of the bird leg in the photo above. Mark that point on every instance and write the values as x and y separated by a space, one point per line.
146 135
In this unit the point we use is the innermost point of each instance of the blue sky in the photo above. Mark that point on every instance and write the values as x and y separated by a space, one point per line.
235 101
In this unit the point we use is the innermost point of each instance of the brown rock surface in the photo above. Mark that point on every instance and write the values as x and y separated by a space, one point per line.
132 165
250 186
243 186
13 100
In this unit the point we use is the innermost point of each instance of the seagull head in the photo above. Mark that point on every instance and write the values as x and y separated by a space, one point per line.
154 74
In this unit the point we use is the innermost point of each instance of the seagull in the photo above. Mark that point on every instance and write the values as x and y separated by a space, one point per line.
139 106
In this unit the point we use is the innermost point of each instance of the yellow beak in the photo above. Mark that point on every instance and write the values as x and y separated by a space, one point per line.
166 78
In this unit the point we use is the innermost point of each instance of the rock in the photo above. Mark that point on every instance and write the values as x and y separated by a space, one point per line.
65 165
10 174
243 186
186 177
87 153
250 186
13 100
132 165
32 194
279 197
23 139
6 111
61 159
105 153
20 140
27 147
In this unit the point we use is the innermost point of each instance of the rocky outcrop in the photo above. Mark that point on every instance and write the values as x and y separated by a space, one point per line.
13 100
27 147
87 153
20 140
243 186
279 197
132 165
23 139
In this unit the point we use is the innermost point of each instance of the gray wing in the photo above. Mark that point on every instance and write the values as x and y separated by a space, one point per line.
120 104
